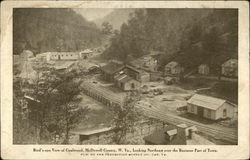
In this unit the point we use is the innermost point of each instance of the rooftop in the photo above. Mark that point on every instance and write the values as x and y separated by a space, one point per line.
206 101
63 64
231 62
92 131
112 67
159 136
172 64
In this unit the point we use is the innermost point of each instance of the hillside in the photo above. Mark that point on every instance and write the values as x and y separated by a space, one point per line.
41 30
116 18
189 36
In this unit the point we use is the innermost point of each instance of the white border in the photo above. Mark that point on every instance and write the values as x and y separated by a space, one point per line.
10 151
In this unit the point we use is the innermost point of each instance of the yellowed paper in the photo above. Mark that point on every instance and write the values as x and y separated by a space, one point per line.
237 149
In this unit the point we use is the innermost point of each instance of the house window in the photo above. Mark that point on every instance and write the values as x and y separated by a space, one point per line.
224 112
208 113
192 108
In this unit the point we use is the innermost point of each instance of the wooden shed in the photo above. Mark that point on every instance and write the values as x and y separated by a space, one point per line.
173 68
211 107
203 69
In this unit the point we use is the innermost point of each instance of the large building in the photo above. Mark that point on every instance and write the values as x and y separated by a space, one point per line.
230 68
126 83
124 76
211 107
173 68
110 70
64 55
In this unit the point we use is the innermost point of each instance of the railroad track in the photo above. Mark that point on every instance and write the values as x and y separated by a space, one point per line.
223 133
218 132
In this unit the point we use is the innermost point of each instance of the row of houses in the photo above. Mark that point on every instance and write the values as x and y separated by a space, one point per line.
229 68
64 56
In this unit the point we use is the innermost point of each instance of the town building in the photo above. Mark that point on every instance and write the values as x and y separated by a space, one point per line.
86 53
110 70
173 68
64 55
203 69
144 77
230 68
149 62
45 57
211 107
169 135
126 83
98 135
176 135
113 69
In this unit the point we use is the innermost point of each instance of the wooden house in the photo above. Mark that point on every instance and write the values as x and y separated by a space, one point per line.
110 70
86 53
230 68
173 68
211 107
126 83
203 69
64 56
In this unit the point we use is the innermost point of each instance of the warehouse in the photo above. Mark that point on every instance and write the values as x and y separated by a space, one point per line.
211 107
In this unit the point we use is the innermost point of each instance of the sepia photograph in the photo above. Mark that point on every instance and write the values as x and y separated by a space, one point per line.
138 76
108 80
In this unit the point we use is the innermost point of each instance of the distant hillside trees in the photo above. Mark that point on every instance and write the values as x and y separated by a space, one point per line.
189 36
107 28
41 30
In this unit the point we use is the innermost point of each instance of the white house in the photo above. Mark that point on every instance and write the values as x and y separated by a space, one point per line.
230 68
211 107
64 55
203 69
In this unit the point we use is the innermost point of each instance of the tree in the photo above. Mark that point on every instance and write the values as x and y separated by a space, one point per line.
107 28
125 118
67 113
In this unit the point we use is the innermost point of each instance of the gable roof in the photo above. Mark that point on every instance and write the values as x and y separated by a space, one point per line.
123 78
231 63
206 101
112 68
172 64
159 137
92 131
63 64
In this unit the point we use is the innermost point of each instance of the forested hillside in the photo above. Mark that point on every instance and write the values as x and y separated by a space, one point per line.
41 30
189 36
116 18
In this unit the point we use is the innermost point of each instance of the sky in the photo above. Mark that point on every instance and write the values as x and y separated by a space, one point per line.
93 13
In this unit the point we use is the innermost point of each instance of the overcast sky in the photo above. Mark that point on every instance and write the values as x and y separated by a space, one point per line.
93 13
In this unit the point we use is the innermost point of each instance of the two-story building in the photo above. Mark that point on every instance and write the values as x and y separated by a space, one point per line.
173 68
230 68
